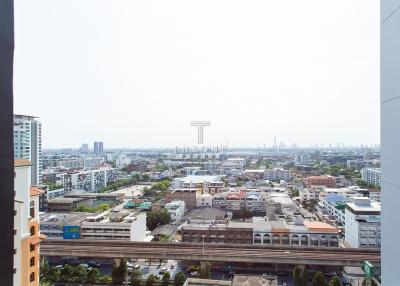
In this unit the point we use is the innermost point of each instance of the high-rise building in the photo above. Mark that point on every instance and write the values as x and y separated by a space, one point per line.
96 147
101 147
26 226
85 148
28 144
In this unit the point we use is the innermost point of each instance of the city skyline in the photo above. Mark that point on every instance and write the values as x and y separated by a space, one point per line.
256 77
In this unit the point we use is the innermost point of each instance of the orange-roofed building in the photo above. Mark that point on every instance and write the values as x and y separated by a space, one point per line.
316 226
26 227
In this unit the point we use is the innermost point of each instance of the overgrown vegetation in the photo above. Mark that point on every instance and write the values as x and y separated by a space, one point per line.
98 208
121 183
156 218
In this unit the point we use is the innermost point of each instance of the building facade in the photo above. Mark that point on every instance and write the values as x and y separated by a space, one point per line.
371 176
363 223
27 236
327 181
28 144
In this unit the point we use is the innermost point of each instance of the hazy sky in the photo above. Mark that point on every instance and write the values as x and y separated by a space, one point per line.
135 73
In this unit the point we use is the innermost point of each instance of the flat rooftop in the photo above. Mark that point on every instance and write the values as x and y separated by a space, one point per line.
194 179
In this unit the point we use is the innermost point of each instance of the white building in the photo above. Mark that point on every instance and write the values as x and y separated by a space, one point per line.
28 144
363 223
277 174
176 210
371 176
122 161
204 200
89 180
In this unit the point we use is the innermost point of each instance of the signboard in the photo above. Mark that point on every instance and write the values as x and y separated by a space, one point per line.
368 269
71 232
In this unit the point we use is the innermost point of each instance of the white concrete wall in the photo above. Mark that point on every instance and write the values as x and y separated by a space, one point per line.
138 228
390 139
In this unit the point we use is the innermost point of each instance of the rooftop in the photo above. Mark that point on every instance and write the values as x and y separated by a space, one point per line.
22 162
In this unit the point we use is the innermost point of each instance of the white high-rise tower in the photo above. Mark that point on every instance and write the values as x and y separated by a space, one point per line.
28 144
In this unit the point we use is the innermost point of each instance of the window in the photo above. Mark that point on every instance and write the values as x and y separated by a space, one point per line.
32 247
32 230
32 277
32 261
32 209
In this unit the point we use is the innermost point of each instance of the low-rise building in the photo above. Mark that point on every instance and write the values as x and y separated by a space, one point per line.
326 180
176 210
189 196
204 200
278 174
106 225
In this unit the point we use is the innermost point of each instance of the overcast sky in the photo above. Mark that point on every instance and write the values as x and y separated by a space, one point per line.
135 73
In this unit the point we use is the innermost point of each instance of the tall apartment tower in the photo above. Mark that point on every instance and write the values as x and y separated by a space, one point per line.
28 144
85 148
101 147
96 147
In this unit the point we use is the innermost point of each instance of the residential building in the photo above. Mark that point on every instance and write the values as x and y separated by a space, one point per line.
326 180
96 147
189 196
28 144
26 227
334 206
263 232
204 200
363 223
371 176
84 148
278 174
89 180
205 184
176 210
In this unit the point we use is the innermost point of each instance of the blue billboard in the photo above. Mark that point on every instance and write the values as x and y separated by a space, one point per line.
71 232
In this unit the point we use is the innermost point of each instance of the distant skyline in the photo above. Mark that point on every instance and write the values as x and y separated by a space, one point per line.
135 73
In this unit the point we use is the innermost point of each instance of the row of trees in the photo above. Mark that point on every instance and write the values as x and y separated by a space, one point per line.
68 273
136 279
120 272
300 278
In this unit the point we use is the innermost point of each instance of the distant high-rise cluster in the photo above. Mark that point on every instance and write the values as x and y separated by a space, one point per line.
28 144
98 147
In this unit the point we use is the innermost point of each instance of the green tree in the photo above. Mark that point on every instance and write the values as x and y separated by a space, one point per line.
373 283
319 279
93 275
136 277
53 274
179 279
335 281
300 276
67 273
205 270
165 279
80 274
151 280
